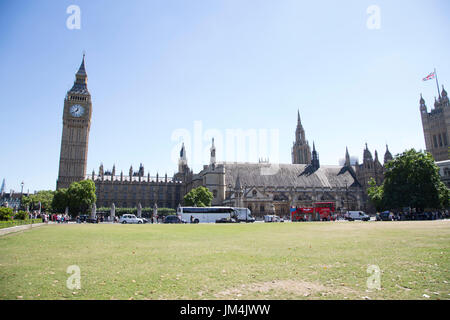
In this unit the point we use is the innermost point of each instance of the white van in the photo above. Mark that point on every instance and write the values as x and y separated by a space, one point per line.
356 215
244 215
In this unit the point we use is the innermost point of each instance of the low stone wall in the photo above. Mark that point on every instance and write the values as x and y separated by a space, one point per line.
20 228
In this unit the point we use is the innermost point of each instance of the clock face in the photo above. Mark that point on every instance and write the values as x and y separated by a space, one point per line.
76 110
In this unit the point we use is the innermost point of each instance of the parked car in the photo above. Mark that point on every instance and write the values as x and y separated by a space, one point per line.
130 218
82 218
226 220
384 216
356 215
173 219
272 218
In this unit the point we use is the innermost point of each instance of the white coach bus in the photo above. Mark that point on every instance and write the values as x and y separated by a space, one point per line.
205 214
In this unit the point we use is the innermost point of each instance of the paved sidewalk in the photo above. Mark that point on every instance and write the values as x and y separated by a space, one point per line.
20 228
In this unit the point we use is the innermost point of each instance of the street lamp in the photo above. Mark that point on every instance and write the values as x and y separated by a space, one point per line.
346 194
21 193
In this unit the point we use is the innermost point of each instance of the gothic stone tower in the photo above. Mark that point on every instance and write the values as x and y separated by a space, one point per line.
301 152
75 135
436 126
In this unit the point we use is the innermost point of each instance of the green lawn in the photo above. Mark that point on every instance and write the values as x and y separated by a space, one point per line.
319 260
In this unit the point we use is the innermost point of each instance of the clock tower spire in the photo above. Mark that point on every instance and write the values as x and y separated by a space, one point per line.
75 134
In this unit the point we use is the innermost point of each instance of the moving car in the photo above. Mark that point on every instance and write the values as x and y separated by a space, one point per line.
130 218
356 215
173 219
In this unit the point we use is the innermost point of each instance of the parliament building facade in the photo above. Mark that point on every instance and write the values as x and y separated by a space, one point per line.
262 187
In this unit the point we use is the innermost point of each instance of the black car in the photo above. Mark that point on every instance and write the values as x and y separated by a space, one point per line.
82 218
173 219
226 220
384 216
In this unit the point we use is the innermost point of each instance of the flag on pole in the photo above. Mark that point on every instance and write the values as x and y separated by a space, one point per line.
430 76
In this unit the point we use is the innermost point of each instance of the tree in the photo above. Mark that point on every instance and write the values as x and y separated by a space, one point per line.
411 180
376 194
198 197
80 197
60 200
45 197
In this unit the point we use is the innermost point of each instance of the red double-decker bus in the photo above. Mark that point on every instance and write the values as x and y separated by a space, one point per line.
323 211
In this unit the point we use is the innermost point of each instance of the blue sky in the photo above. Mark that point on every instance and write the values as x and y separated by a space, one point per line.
155 67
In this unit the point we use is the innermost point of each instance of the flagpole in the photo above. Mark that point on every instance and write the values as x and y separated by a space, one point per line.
437 83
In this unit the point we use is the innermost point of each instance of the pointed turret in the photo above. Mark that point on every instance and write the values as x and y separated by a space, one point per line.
213 154
301 152
80 85
237 184
315 158
182 162
347 158
423 106
82 69
182 152
387 155
367 154
421 101
444 94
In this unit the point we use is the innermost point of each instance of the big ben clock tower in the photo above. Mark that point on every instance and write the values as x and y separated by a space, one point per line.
75 135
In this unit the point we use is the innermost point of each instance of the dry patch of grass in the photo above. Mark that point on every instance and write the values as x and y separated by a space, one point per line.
295 288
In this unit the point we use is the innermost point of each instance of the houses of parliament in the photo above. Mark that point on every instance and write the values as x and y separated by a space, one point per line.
301 183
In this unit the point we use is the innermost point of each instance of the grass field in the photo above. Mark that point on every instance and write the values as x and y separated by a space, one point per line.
319 260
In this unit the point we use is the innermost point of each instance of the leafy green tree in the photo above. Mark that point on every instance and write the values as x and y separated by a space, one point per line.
45 197
376 195
80 197
60 201
6 213
199 197
411 180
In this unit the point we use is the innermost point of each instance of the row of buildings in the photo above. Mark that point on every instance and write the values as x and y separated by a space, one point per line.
262 187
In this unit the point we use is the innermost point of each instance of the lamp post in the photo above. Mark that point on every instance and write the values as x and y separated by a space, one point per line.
21 192
346 194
